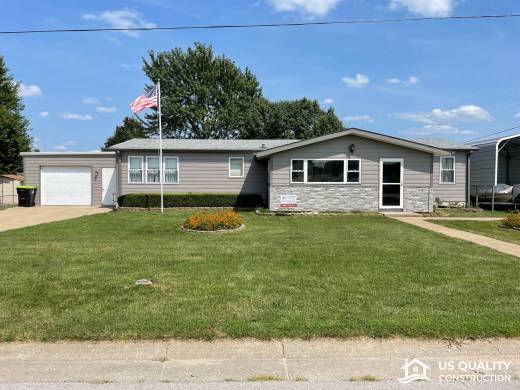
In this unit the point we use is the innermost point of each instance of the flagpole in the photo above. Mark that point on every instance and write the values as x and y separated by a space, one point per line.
161 163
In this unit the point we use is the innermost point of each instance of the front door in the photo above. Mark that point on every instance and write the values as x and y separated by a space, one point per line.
108 182
391 183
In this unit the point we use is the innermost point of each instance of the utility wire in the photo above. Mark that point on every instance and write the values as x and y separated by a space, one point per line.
497 132
261 25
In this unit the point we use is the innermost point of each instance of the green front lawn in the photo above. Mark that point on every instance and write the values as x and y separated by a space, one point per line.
486 228
306 276
468 213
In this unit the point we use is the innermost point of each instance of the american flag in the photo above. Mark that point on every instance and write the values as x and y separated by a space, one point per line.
147 100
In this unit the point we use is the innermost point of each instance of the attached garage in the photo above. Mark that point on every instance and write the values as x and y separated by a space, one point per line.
72 179
66 186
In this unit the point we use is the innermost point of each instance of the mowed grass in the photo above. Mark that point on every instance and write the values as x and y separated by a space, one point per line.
465 213
307 276
487 228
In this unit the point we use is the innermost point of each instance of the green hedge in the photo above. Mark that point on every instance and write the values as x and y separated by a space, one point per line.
153 200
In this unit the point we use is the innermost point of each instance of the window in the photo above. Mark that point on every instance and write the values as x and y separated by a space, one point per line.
447 171
236 167
171 170
297 171
325 171
353 171
135 169
152 170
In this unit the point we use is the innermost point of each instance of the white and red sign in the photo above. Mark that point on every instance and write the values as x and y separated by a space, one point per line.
288 201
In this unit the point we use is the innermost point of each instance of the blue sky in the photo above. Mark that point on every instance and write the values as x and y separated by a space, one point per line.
449 79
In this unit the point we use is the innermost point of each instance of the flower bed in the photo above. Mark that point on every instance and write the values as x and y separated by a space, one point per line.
213 222
512 221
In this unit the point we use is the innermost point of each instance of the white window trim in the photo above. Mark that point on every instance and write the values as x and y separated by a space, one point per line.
178 170
347 171
304 173
229 168
146 171
142 170
305 181
440 171
401 201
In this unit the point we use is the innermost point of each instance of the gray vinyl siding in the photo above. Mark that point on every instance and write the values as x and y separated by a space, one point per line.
451 192
33 164
483 165
203 172
417 164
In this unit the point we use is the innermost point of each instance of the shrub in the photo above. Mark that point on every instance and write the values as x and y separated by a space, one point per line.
512 221
214 221
153 200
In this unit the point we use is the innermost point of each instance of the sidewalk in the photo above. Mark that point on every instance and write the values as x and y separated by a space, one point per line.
501 246
239 360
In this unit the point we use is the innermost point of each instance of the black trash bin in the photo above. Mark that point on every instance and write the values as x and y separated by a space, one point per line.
26 196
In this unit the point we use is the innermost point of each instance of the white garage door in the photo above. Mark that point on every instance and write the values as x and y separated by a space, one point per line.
66 186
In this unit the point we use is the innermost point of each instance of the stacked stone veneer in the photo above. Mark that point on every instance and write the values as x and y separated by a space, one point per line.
347 198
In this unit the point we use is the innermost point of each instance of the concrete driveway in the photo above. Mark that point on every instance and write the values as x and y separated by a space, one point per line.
19 217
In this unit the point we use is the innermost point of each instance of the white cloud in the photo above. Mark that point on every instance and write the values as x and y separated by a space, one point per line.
439 129
29 90
393 81
359 118
123 18
76 117
412 80
44 114
467 113
105 110
312 7
65 145
359 81
328 101
517 115
90 100
428 8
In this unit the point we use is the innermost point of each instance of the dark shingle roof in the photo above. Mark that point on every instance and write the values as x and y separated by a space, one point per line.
201 144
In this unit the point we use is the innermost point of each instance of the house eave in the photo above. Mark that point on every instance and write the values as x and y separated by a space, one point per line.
357 132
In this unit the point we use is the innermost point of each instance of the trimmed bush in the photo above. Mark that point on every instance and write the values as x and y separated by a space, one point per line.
153 200
512 221
222 220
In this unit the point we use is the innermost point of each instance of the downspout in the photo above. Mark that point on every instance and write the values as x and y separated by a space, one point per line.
468 178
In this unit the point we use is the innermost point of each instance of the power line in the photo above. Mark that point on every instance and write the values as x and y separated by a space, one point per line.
261 25
495 133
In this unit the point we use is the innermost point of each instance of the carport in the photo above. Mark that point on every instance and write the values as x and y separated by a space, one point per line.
495 172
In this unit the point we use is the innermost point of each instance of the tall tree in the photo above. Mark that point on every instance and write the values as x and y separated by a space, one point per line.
14 128
296 119
130 128
203 95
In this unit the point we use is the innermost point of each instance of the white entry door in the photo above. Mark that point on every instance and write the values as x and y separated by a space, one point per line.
108 179
391 183
66 186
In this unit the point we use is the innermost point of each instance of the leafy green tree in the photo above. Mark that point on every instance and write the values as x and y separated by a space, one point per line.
203 95
14 128
131 128
208 96
299 119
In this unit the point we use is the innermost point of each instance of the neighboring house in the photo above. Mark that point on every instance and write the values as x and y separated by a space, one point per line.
8 184
350 170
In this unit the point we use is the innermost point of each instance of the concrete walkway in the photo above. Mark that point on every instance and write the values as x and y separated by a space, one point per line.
19 217
244 360
501 246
